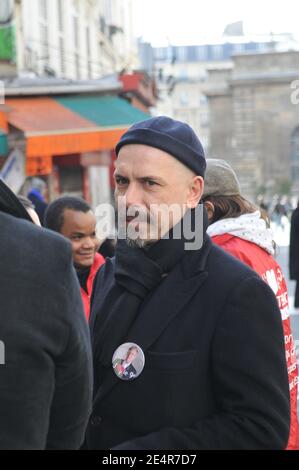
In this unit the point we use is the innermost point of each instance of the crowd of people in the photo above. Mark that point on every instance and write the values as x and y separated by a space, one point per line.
155 346
279 209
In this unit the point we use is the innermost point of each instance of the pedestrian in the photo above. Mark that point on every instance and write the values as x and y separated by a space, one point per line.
237 226
294 252
262 204
45 371
73 218
38 194
279 213
212 376
30 209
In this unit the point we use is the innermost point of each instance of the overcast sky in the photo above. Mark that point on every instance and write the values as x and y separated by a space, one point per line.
191 21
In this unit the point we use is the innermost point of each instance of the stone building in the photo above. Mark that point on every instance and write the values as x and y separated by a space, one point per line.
182 73
254 120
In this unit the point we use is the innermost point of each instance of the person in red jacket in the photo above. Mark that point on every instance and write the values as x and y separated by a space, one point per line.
237 226
74 219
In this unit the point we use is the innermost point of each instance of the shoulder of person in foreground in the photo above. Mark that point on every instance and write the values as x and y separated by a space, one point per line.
247 367
73 399
50 350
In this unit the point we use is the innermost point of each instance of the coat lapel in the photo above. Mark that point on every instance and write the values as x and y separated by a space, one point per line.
168 301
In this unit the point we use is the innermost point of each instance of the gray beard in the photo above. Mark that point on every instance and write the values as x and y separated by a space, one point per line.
139 243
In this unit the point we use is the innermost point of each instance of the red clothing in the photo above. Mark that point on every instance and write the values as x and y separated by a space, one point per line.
98 261
266 266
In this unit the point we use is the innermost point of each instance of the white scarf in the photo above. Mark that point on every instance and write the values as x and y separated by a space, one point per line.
248 227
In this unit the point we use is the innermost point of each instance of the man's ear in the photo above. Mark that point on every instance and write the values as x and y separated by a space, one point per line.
195 191
210 209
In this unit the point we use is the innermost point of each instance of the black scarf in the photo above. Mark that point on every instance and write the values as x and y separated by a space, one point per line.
137 273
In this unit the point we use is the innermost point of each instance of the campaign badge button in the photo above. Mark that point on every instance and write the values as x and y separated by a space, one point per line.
128 361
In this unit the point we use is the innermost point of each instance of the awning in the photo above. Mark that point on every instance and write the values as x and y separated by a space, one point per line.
72 124
3 131
104 111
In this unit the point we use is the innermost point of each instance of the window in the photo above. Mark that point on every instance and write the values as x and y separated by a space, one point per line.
108 11
6 10
43 10
217 52
261 46
62 55
184 98
202 53
43 29
76 45
205 141
60 16
203 100
71 180
43 34
61 42
88 52
76 5
160 53
204 119
75 31
103 26
182 54
238 48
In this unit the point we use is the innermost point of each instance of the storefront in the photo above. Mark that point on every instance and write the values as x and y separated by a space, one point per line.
69 140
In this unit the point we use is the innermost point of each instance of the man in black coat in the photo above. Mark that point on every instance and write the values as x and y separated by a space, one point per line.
45 354
215 372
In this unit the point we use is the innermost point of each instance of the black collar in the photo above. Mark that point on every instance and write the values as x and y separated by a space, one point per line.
10 204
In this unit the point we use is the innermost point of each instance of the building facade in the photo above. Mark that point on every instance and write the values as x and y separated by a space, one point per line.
62 105
64 132
69 38
254 120
182 74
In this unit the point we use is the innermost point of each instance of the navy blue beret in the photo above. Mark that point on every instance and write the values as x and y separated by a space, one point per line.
174 137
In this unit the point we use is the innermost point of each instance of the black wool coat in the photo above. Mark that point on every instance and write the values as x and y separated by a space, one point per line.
46 378
215 372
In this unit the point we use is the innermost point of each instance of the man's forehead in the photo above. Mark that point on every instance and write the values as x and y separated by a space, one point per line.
144 159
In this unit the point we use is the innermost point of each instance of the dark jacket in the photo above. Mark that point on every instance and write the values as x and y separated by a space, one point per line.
214 376
294 246
46 381
267 267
